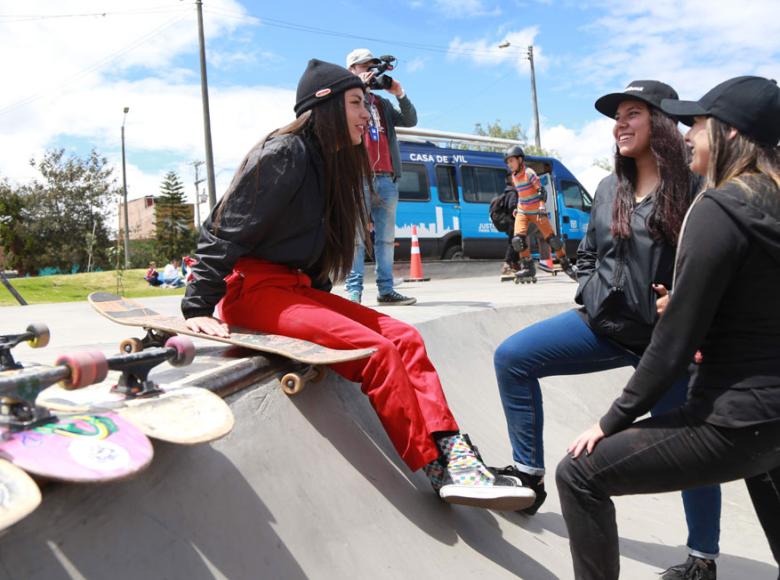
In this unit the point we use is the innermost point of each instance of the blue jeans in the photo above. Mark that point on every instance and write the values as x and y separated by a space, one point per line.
383 208
565 345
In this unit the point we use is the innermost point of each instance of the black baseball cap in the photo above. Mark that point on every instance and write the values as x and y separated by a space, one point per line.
749 104
650 92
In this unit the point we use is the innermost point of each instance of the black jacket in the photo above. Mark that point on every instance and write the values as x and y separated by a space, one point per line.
616 276
274 211
725 304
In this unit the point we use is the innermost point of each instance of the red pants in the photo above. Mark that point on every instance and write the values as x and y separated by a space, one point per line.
399 379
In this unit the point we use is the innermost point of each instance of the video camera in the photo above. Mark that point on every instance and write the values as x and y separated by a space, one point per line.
381 81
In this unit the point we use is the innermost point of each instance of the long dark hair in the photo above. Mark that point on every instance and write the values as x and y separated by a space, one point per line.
733 158
347 169
672 197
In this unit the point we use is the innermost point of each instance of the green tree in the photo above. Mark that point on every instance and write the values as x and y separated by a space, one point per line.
605 163
57 220
514 132
173 219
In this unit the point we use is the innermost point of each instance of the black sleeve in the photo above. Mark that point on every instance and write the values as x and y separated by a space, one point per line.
254 204
406 116
711 250
587 251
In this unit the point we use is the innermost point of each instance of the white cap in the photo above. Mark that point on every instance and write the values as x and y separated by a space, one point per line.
360 56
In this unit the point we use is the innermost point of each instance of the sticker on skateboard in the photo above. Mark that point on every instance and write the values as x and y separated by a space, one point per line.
84 447
19 494
158 327
176 413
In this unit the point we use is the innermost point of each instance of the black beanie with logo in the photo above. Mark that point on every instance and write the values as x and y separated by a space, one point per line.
320 81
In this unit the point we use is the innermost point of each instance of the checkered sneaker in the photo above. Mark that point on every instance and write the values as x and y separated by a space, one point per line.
463 465
436 473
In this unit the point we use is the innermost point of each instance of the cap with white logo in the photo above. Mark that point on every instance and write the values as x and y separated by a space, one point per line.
650 92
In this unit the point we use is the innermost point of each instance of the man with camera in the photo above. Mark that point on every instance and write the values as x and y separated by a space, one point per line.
385 158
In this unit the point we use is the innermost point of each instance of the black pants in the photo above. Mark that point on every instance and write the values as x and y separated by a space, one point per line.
670 452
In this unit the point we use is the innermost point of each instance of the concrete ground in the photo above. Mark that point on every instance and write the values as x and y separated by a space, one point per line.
310 487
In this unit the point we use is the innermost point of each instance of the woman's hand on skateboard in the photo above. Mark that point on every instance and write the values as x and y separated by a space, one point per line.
208 325
586 441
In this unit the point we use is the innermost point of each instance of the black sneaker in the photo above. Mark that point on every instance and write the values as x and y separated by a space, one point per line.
393 298
533 482
692 569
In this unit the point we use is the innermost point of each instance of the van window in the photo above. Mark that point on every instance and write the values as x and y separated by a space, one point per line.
445 182
413 185
575 196
482 184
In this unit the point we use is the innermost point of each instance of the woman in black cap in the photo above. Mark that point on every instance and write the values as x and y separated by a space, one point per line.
265 257
725 306
628 251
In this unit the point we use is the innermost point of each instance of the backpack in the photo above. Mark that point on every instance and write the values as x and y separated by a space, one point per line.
502 209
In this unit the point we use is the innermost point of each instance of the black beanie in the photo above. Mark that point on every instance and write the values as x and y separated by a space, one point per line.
320 81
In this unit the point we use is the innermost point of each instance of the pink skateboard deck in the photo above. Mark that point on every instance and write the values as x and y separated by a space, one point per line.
79 448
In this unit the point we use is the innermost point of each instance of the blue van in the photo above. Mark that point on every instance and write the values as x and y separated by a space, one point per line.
446 193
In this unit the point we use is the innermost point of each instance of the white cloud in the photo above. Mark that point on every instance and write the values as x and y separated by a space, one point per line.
692 45
578 149
64 86
415 64
486 51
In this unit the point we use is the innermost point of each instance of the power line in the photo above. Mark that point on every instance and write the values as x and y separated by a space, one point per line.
276 23
37 17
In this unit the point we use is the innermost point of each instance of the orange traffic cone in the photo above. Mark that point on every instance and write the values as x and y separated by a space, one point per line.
415 265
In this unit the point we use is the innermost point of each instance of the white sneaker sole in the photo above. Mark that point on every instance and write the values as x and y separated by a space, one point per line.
494 497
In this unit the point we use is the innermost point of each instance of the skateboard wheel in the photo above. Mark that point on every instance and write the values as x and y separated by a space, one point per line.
130 345
101 365
319 374
83 369
292 383
40 333
185 350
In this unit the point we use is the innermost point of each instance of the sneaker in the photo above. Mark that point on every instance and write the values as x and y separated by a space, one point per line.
692 569
467 481
533 482
355 297
507 270
393 298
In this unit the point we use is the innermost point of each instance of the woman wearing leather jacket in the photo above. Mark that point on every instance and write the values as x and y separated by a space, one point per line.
623 263
265 257
725 306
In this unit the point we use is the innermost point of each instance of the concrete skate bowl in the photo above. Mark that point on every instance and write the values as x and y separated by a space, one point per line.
310 487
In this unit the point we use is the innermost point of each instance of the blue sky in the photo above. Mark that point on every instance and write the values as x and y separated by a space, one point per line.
76 64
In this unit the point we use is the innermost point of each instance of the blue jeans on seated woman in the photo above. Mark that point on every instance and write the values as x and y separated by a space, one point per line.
565 345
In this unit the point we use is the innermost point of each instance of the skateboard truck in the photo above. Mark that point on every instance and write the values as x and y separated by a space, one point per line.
20 415
37 336
135 366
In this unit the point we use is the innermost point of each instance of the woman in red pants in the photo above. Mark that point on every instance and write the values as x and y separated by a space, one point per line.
286 225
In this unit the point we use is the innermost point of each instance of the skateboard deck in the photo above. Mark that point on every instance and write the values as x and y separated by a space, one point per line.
19 495
78 448
132 313
179 413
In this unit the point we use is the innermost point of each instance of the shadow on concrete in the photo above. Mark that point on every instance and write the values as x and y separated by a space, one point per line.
190 515
358 436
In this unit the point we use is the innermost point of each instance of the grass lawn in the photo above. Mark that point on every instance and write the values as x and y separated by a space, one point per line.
75 287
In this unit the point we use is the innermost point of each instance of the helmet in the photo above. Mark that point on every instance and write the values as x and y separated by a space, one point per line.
514 151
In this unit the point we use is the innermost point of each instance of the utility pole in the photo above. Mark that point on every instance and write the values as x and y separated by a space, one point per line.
204 90
124 192
533 97
198 181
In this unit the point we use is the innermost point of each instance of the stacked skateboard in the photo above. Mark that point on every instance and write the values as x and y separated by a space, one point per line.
88 418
